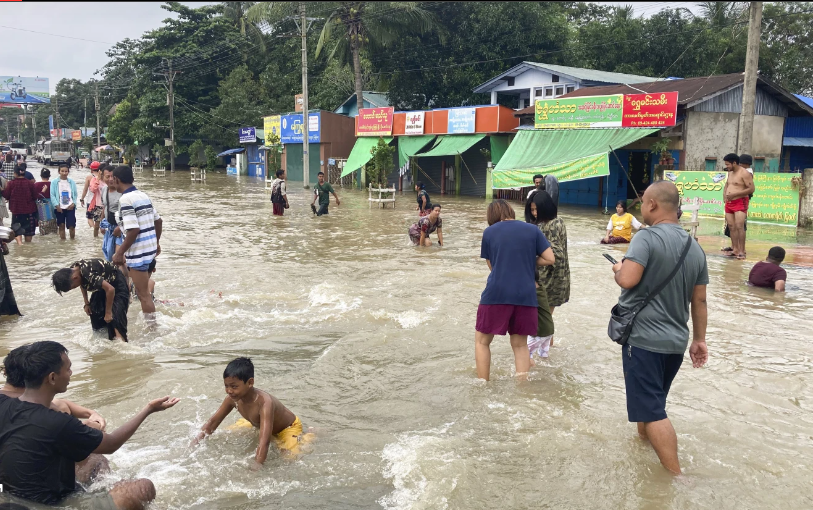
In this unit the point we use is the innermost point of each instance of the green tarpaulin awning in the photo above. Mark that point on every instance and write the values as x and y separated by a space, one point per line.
360 154
568 154
499 144
409 145
451 145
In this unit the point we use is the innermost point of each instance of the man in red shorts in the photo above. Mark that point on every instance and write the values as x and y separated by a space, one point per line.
738 186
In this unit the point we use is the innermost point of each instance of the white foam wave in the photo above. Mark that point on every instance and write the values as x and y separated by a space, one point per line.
406 459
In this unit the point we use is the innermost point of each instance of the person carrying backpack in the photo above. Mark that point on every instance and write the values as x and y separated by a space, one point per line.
279 195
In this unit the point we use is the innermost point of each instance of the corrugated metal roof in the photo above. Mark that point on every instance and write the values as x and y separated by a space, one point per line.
792 141
691 91
593 75
377 99
579 73
806 100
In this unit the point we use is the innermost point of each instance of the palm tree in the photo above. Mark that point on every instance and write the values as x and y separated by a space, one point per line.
236 11
361 24
720 13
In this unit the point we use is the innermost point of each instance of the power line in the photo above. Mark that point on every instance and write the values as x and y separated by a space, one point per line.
54 35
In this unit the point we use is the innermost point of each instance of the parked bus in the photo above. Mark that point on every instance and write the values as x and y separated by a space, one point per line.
56 151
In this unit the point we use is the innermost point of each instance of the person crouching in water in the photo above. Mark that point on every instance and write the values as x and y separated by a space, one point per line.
258 409
419 232
107 306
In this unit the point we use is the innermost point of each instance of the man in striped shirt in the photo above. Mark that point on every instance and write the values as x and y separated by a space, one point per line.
139 222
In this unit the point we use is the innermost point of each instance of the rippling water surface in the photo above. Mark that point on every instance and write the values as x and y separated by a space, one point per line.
370 341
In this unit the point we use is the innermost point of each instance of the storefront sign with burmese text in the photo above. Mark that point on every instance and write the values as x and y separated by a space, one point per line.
374 121
414 123
650 110
578 112
775 200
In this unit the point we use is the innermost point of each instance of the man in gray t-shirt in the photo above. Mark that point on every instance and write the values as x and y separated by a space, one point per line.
660 334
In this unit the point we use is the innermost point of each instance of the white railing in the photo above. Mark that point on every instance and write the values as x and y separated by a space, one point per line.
382 202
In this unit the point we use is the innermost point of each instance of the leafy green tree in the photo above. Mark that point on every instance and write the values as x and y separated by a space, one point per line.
236 12
362 25
240 106
119 127
786 54
195 159
382 162
421 72
211 158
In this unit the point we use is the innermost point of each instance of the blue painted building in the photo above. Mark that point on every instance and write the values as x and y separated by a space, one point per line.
797 144
371 99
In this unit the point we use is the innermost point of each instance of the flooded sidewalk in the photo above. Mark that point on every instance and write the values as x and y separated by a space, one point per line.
371 341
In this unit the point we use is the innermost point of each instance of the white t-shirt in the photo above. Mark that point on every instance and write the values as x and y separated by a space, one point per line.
282 186
635 224
65 199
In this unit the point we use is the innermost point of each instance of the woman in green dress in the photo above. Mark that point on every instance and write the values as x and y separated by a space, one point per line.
555 278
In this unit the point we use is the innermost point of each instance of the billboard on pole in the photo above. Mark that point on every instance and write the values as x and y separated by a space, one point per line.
24 90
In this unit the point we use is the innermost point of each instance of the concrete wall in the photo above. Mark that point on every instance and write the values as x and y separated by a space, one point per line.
710 135
806 206
715 135
767 140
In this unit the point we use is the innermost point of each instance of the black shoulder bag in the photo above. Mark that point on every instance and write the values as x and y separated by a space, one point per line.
622 319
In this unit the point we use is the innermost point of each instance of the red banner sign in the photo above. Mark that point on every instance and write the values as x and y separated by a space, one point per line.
649 110
374 121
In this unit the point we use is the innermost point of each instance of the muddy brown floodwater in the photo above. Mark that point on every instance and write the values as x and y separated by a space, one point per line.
371 341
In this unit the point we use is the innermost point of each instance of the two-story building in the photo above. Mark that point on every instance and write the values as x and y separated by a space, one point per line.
529 81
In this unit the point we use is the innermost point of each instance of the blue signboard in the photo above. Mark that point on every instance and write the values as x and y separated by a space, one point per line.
50 122
291 128
248 135
461 120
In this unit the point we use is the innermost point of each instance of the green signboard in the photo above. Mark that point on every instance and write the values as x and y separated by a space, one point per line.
579 112
592 166
775 199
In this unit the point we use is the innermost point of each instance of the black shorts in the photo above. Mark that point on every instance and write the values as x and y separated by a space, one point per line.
648 376
67 217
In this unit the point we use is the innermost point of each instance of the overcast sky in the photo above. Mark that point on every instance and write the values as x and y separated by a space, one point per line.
43 39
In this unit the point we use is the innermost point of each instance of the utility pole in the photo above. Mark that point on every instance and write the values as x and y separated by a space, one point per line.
85 123
303 25
170 78
98 128
749 91
34 125
171 100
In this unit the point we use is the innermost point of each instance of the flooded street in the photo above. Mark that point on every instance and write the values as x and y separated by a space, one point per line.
371 341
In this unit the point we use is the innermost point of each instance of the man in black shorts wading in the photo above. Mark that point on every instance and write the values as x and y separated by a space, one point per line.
660 334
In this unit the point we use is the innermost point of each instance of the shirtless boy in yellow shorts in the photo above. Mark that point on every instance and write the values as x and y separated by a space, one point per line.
259 409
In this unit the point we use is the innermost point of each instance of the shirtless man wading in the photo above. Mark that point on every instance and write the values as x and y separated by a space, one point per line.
738 186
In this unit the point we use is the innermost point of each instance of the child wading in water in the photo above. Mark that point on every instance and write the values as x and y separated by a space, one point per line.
259 409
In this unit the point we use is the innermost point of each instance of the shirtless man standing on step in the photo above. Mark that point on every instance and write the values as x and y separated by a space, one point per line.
738 186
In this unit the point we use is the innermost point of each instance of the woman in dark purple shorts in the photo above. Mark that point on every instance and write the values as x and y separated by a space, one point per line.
513 250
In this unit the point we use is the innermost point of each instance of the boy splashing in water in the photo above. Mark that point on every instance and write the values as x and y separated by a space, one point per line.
259 409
